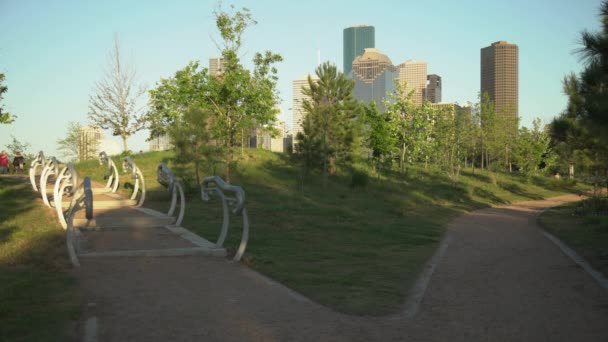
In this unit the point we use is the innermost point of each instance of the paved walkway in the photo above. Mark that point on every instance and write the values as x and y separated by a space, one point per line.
500 279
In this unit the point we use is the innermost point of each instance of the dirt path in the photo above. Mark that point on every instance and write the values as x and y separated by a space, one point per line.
499 280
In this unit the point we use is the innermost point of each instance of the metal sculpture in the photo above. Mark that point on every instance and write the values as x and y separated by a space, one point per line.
128 164
51 168
83 198
113 177
38 162
238 204
166 178
66 182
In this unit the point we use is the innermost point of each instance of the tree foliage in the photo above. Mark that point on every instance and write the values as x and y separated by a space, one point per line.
5 117
115 102
333 119
237 100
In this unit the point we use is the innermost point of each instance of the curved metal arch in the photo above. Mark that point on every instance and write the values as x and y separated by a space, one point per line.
166 178
238 202
67 178
129 165
39 161
113 177
51 168
83 199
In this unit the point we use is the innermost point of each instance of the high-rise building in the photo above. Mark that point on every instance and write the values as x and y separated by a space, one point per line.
432 92
499 77
89 139
413 75
374 75
298 98
356 39
216 65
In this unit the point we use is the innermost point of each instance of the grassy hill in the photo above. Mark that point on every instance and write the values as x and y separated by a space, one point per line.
357 250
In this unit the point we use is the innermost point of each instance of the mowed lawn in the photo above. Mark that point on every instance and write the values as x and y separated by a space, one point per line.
357 250
39 299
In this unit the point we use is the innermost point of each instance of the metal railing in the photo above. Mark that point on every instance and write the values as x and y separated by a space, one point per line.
166 178
38 162
238 208
128 164
66 182
51 168
113 177
83 199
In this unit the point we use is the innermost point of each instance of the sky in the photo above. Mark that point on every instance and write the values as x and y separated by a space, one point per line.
52 52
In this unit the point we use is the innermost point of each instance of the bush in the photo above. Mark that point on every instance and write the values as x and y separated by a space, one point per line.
359 179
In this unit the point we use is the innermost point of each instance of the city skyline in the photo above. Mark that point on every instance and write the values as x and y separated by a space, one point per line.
45 42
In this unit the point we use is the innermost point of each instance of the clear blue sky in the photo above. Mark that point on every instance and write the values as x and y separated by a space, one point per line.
52 52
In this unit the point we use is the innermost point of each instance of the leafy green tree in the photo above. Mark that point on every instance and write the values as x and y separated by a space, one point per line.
191 137
5 117
114 105
381 134
334 117
413 126
236 101
533 148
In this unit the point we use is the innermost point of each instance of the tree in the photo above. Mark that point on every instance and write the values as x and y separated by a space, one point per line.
114 105
532 148
237 100
18 146
334 117
381 134
72 146
5 117
413 126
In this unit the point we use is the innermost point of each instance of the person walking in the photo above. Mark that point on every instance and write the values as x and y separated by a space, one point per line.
3 163
18 163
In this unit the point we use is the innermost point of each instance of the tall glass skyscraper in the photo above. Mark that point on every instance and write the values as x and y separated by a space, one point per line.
356 40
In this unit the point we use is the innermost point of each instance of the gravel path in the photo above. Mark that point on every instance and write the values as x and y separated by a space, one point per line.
500 279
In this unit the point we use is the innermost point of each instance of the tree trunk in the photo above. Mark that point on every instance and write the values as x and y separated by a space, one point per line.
229 155
197 172
402 159
124 143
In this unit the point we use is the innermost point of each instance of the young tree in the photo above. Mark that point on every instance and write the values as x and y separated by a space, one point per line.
413 126
71 146
5 117
381 134
18 146
334 117
532 148
237 100
114 105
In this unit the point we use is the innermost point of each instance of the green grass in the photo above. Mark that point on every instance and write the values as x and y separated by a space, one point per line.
356 250
585 232
39 300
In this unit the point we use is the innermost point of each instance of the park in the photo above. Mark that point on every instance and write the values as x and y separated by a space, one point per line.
378 222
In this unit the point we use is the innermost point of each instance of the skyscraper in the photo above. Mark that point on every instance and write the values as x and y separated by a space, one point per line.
433 88
374 76
298 98
356 40
413 74
215 65
499 77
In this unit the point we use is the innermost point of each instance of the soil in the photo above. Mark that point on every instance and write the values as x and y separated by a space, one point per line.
500 279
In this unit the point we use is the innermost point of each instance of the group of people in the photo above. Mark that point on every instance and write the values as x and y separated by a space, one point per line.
18 162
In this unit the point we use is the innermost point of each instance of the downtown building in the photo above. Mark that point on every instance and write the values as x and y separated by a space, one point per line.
374 75
432 93
297 107
216 66
355 40
412 75
499 77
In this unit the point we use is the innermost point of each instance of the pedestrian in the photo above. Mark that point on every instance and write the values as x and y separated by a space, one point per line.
3 162
18 163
